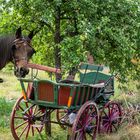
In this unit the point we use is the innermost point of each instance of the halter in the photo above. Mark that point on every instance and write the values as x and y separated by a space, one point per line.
20 41
15 42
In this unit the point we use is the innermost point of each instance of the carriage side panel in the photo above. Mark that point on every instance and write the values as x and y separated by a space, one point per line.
46 92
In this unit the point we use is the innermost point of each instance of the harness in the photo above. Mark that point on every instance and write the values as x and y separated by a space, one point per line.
16 42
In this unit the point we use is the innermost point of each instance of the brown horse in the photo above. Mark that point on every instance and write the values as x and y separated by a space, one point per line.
16 49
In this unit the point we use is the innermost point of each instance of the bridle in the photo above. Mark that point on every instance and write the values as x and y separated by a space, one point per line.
16 42
20 69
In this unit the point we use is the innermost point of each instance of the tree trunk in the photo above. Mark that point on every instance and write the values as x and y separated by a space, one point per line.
72 73
57 40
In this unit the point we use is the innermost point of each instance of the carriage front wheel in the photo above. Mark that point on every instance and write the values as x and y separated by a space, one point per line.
86 122
26 120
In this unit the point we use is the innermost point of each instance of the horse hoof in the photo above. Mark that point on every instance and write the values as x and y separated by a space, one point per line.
1 80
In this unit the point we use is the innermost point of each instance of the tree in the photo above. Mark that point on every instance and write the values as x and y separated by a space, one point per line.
68 29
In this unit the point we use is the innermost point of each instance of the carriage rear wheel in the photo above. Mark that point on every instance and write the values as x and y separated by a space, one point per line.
62 117
86 122
26 120
110 117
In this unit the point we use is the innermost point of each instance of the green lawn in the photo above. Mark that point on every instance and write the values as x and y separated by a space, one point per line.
11 90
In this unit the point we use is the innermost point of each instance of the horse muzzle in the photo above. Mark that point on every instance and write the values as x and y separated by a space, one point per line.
21 72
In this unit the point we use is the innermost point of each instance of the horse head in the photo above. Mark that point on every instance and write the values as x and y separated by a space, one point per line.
22 51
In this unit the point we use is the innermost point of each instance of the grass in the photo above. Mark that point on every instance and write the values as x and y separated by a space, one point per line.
5 111
11 90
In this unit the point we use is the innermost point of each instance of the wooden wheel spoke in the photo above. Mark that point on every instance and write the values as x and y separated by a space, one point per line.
27 106
32 130
64 116
86 114
106 123
28 131
80 123
21 124
108 128
30 111
39 131
23 130
89 121
109 111
23 111
19 106
84 136
16 117
106 120
64 119
114 127
62 111
39 112
115 116
105 113
35 110
90 134
79 130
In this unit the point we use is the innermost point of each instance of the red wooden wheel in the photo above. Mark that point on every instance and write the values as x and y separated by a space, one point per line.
62 117
26 123
110 117
86 122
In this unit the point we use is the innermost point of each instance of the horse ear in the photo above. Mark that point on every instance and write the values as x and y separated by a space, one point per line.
31 34
18 33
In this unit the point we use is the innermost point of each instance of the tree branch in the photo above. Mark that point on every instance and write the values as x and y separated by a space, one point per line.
47 24
69 18
75 32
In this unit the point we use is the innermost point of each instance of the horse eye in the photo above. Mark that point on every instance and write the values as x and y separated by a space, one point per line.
31 52
14 47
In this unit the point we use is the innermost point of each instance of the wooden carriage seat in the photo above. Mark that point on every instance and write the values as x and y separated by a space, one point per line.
96 76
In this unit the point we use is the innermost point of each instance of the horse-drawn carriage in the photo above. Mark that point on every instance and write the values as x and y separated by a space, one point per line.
83 107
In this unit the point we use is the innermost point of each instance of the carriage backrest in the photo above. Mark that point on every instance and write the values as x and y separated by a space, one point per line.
97 76
93 74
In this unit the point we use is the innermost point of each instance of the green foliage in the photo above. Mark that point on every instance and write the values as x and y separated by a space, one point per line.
109 29
73 51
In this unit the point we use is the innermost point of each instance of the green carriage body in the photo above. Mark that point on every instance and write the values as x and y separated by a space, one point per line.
91 86
82 106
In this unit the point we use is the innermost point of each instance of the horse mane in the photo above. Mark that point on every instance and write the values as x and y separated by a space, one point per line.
5 49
